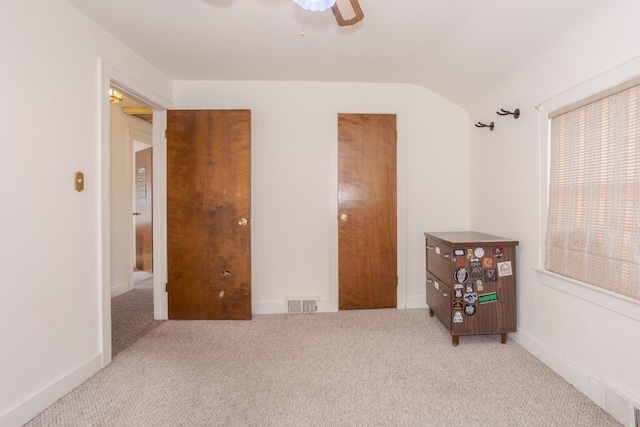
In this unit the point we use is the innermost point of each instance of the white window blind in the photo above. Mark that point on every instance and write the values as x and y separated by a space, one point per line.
593 223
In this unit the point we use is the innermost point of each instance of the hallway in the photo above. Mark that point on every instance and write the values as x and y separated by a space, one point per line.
132 313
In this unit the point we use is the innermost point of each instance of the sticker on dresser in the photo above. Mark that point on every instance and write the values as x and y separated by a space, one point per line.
504 269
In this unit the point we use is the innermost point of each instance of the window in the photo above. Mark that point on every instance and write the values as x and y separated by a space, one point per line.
593 223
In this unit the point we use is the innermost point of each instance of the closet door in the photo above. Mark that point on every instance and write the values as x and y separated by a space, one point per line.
367 211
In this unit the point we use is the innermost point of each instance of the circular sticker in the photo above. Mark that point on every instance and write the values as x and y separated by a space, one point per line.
462 275
479 252
498 252
470 309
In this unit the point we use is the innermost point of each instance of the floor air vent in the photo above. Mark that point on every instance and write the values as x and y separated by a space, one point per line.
302 306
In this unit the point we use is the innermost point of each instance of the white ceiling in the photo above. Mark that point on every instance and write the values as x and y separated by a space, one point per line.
451 47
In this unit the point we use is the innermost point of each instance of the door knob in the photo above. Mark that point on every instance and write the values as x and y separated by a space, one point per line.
136 213
344 217
243 222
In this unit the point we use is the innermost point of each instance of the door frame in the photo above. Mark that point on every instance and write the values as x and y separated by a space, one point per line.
109 76
401 188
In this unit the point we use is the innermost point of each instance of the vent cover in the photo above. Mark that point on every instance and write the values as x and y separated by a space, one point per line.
621 404
302 305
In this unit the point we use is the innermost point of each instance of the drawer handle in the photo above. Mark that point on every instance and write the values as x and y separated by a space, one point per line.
429 280
446 255
445 294
430 247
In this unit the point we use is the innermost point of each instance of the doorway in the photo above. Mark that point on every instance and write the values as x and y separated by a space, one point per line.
112 77
130 197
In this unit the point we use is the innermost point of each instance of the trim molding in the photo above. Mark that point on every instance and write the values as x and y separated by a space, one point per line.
46 397
120 289
108 76
616 303
575 376
280 307
417 301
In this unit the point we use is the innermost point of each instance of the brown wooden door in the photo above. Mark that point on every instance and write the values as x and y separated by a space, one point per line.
208 214
367 218
144 210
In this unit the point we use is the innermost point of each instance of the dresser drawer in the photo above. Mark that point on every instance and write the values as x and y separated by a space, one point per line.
439 260
439 299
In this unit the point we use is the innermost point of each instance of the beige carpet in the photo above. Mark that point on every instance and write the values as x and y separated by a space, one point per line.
132 314
351 368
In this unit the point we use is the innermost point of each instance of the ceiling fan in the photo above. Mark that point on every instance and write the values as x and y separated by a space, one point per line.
347 12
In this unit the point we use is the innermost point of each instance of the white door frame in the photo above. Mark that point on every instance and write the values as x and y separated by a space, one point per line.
111 77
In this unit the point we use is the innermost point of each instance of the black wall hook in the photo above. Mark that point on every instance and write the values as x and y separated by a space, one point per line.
482 125
502 112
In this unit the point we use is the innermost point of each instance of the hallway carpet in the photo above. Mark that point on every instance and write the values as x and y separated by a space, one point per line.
132 315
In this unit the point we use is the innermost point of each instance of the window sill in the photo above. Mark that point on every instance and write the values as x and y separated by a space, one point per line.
617 303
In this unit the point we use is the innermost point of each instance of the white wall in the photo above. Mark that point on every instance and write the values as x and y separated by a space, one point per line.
588 337
123 130
50 256
294 202
50 250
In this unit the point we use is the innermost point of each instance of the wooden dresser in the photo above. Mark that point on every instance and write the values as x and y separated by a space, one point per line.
471 282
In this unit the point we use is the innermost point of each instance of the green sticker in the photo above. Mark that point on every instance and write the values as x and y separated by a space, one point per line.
485 298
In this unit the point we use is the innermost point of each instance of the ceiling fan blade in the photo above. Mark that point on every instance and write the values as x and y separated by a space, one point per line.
347 12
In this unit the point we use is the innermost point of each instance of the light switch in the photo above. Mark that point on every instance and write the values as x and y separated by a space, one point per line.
79 181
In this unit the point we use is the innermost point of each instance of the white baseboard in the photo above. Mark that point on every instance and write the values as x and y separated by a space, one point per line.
280 307
119 289
46 397
575 376
416 301
268 307
615 399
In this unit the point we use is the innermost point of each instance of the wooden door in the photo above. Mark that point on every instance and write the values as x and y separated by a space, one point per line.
208 214
144 210
367 218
